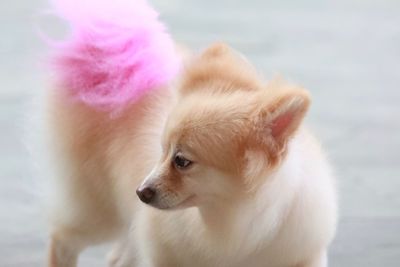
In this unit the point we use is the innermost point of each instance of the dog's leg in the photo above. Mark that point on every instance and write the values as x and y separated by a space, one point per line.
114 256
64 250
320 260
122 255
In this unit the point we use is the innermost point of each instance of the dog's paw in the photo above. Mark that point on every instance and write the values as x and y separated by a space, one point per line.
122 255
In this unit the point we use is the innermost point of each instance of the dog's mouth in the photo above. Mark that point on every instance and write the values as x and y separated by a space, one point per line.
186 203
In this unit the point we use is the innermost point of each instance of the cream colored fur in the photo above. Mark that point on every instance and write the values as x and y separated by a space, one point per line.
288 222
260 191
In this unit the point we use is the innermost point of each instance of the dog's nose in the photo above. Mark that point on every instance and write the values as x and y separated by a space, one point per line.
146 194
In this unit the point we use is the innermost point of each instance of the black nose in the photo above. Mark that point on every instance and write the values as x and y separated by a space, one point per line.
146 194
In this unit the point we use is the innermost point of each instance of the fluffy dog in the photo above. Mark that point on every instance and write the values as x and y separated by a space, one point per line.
246 183
231 175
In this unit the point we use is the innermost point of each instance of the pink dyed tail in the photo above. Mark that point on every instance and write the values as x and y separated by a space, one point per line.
116 52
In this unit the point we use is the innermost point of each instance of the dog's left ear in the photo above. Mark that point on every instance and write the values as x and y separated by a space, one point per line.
277 120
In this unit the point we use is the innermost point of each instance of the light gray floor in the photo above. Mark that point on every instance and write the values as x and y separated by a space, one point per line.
347 53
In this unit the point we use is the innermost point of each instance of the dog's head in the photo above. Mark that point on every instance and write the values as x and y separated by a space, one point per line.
225 133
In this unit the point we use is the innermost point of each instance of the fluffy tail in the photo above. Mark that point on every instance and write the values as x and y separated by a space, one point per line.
116 52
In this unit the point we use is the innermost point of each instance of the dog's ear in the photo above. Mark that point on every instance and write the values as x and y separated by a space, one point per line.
277 119
216 50
219 69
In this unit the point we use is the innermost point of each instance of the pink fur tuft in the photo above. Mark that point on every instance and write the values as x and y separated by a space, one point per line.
117 51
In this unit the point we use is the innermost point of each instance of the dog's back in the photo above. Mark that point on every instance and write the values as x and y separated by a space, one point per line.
110 91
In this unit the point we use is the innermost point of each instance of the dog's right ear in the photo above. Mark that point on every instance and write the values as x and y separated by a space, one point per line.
203 68
219 69
216 50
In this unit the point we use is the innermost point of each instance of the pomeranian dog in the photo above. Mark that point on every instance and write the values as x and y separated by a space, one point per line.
226 173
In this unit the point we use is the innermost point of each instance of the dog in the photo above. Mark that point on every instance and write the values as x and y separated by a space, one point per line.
233 178
215 169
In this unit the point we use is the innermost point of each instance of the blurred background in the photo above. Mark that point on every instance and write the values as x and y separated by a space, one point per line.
346 52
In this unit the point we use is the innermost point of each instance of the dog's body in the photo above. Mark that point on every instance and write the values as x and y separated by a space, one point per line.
246 185
98 173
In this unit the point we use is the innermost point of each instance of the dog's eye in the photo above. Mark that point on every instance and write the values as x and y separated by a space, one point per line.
181 162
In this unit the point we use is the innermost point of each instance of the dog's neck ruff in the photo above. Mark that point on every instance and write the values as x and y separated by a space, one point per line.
240 222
